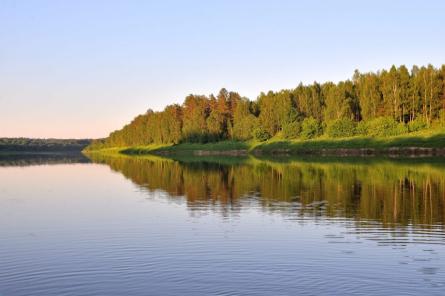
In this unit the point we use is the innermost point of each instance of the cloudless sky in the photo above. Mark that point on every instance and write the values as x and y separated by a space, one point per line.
84 68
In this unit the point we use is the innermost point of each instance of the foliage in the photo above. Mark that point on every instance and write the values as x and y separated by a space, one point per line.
343 127
386 126
292 130
340 101
441 119
385 103
310 128
244 122
260 134
417 125
362 128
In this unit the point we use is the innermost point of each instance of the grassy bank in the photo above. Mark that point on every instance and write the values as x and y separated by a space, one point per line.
189 148
424 139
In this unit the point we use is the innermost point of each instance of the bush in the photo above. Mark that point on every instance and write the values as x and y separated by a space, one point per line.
261 134
292 130
386 126
310 128
442 118
439 122
362 128
417 125
400 129
343 127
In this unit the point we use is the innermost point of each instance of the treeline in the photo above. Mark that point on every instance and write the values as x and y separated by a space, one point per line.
42 145
389 102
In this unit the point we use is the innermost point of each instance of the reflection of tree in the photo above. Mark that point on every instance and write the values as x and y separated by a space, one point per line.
389 192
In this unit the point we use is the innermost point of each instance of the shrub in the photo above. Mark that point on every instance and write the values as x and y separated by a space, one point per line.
386 126
401 129
292 130
362 128
261 134
310 128
417 125
243 128
442 118
343 127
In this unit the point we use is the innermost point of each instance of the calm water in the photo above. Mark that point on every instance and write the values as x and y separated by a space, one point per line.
152 226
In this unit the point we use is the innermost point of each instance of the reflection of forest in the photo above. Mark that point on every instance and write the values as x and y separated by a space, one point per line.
391 192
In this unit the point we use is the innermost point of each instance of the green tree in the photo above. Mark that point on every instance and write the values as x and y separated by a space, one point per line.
244 122
171 124
292 130
369 95
310 128
430 88
195 112
343 127
340 101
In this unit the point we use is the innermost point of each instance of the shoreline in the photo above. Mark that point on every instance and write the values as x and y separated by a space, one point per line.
362 152
201 151
420 144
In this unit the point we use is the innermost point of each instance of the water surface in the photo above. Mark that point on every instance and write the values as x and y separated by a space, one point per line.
156 226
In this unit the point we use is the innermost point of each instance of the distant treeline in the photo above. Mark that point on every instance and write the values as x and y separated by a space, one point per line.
386 103
42 145
31 159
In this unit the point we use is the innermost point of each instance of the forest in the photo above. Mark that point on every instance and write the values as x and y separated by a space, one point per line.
383 103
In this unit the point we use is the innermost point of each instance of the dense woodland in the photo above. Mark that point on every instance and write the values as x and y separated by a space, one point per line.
386 103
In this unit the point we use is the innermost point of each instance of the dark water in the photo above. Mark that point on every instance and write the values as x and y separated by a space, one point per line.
151 226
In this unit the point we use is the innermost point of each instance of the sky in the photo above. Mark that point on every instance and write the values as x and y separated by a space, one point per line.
81 69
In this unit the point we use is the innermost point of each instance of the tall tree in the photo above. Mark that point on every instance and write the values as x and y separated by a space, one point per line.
430 87
369 95
244 122
340 101
195 112
171 124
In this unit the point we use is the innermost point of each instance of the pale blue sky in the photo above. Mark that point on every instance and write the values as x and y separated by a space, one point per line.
84 68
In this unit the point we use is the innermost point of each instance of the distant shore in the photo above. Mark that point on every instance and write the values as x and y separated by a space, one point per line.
15 146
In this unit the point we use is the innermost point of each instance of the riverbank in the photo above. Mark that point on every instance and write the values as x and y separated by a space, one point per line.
426 143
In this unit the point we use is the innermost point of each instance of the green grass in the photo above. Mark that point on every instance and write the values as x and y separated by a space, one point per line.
133 150
426 138
187 148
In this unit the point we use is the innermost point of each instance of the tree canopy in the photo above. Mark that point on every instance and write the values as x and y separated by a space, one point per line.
404 99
